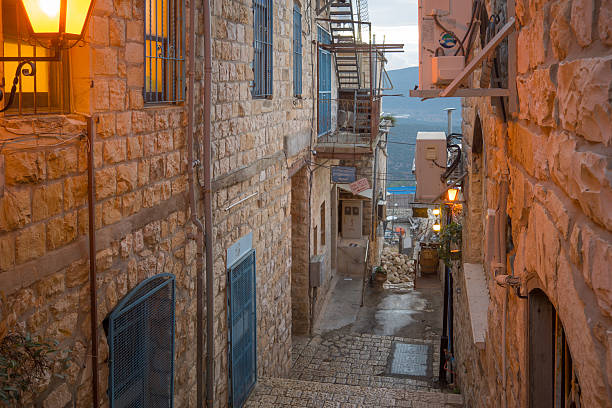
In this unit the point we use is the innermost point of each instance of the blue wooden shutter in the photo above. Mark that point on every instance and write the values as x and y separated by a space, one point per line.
324 83
297 50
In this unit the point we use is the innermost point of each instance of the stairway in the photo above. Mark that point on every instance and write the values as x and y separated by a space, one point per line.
344 33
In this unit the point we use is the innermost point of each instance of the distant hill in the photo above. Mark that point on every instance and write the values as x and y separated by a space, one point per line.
413 108
413 115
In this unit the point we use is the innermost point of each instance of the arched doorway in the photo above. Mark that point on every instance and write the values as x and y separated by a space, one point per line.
553 382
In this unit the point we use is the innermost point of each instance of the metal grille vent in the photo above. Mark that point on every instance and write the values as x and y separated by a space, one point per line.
140 334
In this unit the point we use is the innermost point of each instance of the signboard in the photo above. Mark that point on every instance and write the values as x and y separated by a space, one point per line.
419 212
359 186
343 174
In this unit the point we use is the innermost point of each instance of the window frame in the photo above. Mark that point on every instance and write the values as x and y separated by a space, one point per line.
263 49
324 87
297 50
57 95
172 50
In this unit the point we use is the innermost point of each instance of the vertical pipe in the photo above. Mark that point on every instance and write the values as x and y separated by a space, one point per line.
93 308
210 299
194 213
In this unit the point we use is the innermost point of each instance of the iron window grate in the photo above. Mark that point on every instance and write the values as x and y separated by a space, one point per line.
164 50
324 105
140 333
297 50
263 47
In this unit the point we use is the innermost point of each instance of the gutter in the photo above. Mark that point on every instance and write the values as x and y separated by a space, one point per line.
210 303
191 163
93 307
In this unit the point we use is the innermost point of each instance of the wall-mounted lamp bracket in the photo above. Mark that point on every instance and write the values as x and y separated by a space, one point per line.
26 71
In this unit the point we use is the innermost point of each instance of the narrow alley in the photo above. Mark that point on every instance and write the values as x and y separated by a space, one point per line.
382 354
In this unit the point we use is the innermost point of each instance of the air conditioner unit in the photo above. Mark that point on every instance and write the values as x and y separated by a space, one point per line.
430 162
317 271
440 56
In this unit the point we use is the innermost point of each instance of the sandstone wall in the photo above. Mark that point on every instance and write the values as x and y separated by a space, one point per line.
141 210
555 153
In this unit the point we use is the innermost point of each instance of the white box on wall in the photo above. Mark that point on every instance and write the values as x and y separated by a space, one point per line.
434 42
430 163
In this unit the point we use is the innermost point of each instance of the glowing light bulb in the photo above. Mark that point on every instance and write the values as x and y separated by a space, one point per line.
50 7
435 211
436 227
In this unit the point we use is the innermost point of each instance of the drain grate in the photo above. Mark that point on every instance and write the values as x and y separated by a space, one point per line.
413 360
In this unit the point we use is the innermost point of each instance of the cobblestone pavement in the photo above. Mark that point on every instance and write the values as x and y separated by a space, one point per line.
282 392
344 369
341 357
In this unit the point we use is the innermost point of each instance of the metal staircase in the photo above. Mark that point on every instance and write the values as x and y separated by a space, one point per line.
344 33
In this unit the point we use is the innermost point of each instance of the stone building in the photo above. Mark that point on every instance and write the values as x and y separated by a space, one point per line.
537 208
272 201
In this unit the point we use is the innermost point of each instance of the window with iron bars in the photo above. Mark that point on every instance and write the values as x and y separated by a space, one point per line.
297 50
164 51
46 91
262 43
324 105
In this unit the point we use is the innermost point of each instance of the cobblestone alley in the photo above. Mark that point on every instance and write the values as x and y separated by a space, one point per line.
384 354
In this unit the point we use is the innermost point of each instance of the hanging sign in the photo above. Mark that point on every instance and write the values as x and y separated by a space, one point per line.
343 174
359 186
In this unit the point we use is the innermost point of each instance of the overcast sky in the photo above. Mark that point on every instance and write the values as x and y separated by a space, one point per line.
395 21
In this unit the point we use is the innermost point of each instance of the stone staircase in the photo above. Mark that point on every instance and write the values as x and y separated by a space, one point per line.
344 369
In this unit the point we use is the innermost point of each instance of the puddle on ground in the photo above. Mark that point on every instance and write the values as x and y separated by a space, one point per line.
396 311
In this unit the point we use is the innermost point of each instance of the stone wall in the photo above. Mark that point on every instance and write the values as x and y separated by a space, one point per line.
554 153
142 213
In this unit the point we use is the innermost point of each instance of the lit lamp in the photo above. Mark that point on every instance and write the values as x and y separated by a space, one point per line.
435 211
436 227
54 20
452 194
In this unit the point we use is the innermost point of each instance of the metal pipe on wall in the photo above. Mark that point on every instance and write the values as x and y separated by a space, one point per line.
210 295
93 308
194 213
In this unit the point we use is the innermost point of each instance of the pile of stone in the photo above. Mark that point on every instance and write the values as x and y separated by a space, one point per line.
400 268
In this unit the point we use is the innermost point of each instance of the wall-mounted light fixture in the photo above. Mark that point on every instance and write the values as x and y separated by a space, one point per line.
452 194
436 227
57 21
435 211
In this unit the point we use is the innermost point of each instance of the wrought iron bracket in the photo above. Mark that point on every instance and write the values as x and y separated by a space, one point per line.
26 71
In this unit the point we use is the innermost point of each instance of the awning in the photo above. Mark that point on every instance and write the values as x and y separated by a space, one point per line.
365 193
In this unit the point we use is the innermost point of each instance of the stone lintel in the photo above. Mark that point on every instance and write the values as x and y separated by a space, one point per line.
478 301
246 172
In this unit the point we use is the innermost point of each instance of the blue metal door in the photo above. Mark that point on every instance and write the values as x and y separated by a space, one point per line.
243 328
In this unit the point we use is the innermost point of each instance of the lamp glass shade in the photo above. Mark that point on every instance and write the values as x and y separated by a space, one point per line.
436 227
76 16
436 211
44 15
452 194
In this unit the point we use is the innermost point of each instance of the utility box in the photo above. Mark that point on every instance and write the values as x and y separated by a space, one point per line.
430 162
317 271
440 53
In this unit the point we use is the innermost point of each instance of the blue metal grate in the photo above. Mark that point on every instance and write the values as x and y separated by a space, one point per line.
262 43
324 106
164 51
140 333
243 328
297 50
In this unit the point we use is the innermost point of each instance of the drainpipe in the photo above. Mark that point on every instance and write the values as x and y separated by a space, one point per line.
194 212
93 308
210 299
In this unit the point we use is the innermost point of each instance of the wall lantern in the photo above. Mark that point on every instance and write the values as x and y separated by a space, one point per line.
436 227
58 21
452 194
435 211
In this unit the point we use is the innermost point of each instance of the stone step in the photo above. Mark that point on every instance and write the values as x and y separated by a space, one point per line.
276 392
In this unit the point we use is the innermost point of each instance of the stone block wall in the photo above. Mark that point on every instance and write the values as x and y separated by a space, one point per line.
141 210
555 154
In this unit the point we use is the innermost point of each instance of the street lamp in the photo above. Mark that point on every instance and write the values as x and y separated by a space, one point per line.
54 20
